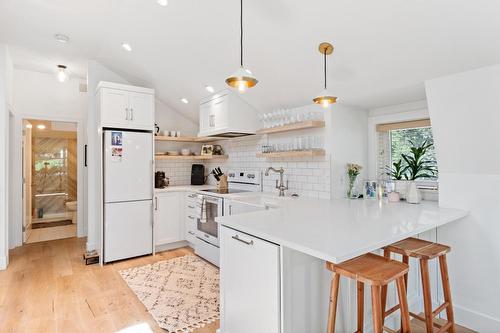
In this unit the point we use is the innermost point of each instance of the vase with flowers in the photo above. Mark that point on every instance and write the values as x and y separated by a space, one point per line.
353 171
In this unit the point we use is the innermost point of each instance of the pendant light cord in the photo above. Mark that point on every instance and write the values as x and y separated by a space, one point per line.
241 33
325 65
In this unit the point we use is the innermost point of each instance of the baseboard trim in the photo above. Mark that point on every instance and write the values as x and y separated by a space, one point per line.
476 321
3 263
170 246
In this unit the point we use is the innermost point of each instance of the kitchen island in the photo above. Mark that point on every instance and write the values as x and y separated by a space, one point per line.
273 260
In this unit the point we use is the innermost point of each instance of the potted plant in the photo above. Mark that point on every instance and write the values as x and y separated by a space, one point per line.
417 167
353 171
398 174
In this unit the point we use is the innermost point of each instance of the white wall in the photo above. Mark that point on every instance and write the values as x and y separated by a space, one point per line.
171 120
347 142
5 106
464 110
40 96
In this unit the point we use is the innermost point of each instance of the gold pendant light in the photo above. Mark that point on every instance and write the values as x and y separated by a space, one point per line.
243 78
325 98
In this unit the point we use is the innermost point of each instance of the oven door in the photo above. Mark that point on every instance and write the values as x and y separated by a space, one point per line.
209 231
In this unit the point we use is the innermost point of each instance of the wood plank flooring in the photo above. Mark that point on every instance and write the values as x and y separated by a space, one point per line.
48 288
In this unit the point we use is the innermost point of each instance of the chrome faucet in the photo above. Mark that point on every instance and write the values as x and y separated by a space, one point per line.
281 186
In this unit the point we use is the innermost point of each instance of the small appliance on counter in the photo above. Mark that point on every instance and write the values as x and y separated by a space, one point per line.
197 174
160 180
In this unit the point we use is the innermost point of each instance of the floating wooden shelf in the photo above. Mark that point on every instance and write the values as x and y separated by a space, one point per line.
191 157
298 153
292 127
194 139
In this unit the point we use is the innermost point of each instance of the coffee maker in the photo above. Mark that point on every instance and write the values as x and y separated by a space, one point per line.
160 180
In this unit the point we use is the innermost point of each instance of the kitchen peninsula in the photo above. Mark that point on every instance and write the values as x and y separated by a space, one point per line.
279 254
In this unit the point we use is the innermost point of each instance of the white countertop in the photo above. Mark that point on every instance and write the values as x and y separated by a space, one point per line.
338 230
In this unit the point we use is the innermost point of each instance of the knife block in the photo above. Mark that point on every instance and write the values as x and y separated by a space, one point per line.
222 182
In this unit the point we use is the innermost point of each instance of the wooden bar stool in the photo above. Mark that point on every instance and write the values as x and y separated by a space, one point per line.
377 271
425 251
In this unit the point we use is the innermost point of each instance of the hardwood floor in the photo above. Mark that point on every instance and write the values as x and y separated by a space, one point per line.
48 288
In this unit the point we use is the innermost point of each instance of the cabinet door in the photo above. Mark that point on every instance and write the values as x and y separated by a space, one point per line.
250 283
204 118
219 112
168 218
141 110
114 108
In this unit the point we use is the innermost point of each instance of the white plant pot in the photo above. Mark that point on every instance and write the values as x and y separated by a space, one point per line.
413 195
401 186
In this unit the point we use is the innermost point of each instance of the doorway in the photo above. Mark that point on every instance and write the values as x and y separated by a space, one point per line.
50 176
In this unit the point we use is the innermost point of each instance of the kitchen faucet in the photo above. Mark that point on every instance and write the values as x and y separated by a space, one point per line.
281 186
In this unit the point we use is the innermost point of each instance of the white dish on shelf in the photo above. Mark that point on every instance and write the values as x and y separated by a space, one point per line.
185 152
173 153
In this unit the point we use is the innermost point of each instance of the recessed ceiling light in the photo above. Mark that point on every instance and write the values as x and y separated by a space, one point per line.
210 89
61 38
126 47
163 3
184 100
40 126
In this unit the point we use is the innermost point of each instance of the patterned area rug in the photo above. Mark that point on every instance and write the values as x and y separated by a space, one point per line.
181 294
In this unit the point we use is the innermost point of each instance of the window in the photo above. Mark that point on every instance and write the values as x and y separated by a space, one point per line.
397 139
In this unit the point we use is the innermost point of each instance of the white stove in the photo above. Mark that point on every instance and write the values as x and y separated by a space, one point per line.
239 181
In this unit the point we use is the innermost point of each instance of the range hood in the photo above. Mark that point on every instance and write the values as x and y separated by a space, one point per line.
226 115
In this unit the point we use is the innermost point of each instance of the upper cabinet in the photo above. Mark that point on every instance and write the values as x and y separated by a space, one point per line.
123 106
225 114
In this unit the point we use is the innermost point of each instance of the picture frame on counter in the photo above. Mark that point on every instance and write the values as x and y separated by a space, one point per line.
207 150
370 188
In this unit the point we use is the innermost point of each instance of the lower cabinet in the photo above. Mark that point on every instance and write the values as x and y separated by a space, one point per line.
250 283
169 218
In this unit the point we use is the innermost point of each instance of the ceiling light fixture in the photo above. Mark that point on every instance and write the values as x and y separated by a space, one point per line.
40 126
126 47
210 89
61 38
62 75
325 98
242 79
163 3
29 126
184 100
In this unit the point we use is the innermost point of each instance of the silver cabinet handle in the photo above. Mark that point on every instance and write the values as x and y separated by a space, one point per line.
126 113
206 236
241 240
191 217
230 209
156 203
191 233
131 114
192 195
191 207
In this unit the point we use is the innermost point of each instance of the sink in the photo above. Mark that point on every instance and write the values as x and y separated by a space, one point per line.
263 200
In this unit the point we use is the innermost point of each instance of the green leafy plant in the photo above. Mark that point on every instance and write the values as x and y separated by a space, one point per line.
398 170
416 164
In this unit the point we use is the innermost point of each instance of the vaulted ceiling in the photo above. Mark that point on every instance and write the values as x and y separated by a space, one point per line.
384 50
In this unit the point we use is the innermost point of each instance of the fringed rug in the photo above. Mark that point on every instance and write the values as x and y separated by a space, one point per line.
181 294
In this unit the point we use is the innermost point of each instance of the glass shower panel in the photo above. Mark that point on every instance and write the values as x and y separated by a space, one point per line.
51 176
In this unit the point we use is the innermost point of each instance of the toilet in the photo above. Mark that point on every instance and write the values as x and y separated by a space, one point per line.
72 207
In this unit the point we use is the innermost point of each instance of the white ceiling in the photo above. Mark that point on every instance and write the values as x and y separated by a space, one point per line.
385 49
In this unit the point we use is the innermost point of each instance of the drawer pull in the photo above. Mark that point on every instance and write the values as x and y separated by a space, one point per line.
241 240
191 217
192 207
191 233
192 195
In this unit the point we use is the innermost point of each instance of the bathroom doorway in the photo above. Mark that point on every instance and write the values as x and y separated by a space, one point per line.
50 174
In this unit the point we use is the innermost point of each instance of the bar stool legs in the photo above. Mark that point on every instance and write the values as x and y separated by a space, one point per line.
361 270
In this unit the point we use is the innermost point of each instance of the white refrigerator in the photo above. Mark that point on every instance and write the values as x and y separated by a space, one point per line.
128 194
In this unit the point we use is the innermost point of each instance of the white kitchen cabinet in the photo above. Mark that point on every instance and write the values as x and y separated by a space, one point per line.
226 114
190 219
250 281
169 217
123 106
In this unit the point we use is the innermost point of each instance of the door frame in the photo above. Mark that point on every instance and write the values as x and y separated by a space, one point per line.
17 222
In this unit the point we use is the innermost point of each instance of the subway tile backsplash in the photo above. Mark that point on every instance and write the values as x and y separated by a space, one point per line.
309 177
